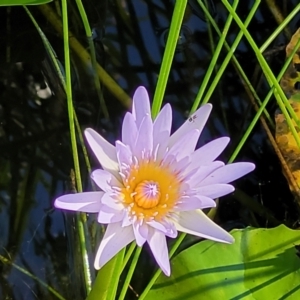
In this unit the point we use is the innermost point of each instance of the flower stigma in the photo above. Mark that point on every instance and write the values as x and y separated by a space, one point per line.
147 194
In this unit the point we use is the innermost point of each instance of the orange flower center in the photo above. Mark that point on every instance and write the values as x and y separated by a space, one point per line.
151 190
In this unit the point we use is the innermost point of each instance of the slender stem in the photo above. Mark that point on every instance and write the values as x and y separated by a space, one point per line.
88 33
128 254
166 64
279 29
130 272
263 105
82 217
69 95
229 56
279 94
278 15
213 61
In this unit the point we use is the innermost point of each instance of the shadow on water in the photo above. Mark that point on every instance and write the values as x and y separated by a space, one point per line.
35 151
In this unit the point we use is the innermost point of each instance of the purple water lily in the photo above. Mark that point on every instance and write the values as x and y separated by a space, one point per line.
155 184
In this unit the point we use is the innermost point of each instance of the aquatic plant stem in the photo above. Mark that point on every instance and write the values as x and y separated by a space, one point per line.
213 61
128 254
167 60
88 33
279 94
130 273
262 106
279 29
236 64
81 219
278 16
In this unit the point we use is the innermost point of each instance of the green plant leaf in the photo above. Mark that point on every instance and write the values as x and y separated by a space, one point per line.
107 280
23 2
261 264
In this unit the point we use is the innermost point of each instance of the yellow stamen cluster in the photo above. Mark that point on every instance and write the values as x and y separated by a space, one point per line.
151 190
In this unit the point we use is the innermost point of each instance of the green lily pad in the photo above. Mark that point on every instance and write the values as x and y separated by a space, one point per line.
22 2
261 264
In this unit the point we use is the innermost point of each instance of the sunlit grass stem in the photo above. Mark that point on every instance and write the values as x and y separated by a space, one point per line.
81 231
237 65
167 60
229 54
130 272
263 105
128 254
88 33
278 15
213 62
279 29
281 98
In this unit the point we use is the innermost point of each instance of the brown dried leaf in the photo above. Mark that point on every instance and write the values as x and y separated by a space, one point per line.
284 138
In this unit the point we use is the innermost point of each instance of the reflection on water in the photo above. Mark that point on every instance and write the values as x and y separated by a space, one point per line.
35 151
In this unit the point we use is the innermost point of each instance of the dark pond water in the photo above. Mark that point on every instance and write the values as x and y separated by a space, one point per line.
35 151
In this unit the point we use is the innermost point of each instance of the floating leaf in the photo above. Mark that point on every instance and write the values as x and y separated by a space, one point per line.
261 264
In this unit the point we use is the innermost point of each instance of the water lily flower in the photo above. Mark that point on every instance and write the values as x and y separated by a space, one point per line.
154 184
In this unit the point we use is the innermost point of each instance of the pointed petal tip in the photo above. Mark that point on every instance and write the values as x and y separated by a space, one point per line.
140 105
247 167
165 267
229 239
141 89
199 224
205 109
196 121
88 131
228 173
252 166
223 236
203 112
208 105
158 245
167 271
97 265
225 139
